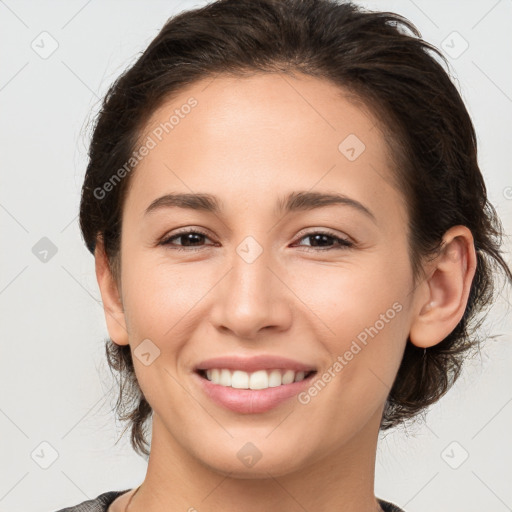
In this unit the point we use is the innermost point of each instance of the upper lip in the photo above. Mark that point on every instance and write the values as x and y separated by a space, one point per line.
254 363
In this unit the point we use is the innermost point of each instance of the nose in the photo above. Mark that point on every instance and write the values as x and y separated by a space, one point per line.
253 296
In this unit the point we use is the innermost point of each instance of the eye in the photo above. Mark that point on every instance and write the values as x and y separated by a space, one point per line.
189 237
320 237
191 241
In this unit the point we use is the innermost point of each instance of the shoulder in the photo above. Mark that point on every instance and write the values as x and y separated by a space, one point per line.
98 504
388 506
104 500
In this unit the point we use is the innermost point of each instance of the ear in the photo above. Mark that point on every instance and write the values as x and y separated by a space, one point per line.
443 296
112 304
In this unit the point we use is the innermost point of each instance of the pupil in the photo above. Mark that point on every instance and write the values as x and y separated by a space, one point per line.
319 237
188 235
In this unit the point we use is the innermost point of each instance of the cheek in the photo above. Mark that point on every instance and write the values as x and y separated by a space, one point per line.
364 308
163 305
351 296
160 296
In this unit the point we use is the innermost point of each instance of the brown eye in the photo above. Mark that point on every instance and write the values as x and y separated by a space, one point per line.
190 239
319 240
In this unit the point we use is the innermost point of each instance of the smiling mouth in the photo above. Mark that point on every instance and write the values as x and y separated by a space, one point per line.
261 379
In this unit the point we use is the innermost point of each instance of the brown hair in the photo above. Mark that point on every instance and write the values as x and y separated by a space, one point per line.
372 57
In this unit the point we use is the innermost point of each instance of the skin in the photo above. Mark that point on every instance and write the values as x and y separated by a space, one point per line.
250 141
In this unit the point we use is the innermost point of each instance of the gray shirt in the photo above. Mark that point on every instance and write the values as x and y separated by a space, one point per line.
103 501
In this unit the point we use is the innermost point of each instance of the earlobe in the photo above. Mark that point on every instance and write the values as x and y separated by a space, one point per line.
443 296
112 304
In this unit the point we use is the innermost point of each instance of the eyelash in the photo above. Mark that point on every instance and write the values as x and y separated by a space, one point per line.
343 243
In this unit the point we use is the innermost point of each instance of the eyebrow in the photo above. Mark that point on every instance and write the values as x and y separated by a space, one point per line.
295 201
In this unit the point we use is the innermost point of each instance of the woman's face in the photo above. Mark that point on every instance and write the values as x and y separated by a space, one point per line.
327 286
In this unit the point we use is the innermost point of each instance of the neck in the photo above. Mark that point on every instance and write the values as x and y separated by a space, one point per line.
341 480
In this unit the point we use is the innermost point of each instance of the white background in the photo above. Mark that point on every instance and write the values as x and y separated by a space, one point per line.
54 377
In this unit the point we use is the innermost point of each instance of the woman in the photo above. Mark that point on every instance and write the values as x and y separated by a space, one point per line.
292 236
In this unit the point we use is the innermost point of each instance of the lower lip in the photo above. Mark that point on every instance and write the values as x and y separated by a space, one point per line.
251 401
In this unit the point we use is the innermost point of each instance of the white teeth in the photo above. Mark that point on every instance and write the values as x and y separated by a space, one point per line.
225 378
261 379
239 380
288 376
258 380
274 379
299 376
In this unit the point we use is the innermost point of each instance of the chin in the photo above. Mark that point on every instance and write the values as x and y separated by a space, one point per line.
250 463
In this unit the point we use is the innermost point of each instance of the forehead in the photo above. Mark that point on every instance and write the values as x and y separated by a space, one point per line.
256 137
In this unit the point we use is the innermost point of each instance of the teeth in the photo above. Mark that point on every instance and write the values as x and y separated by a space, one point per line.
239 380
258 380
274 379
299 376
225 378
262 379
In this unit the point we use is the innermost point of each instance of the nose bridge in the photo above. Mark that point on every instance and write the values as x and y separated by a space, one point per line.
250 299
250 284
